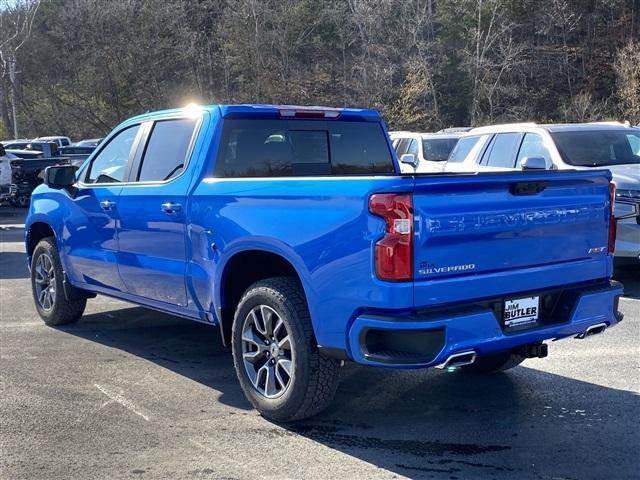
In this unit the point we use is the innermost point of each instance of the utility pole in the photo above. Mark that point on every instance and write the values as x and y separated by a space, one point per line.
12 95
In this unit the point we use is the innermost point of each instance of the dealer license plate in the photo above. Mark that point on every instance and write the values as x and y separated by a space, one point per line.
521 311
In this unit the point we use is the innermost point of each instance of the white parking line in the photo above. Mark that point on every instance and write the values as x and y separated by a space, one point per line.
128 404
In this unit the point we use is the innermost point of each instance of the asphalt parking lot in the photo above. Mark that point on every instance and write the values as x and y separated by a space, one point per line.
131 393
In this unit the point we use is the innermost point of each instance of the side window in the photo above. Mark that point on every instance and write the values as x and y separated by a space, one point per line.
634 143
533 146
468 147
401 146
413 147
110 165
166 152
502 150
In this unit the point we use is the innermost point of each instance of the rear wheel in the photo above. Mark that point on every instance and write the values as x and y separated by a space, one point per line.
47 286
275 354
498 362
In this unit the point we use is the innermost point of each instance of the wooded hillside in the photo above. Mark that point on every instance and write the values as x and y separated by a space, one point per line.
85 65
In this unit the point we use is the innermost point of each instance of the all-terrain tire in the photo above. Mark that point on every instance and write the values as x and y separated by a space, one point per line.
56 309
314 378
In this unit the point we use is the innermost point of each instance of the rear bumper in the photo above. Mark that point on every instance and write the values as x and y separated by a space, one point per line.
428 339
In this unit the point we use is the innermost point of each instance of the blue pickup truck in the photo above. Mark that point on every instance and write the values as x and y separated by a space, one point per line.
292 230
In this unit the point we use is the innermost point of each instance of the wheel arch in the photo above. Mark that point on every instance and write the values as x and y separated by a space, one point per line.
35 231
242 269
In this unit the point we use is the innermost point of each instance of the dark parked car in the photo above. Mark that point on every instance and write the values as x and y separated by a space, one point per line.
33 149
27 169
76 150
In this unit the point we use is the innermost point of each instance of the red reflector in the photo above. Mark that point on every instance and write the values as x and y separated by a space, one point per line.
612 218
394 252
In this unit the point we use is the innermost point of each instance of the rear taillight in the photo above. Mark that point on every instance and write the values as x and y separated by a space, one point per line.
394 251
612 218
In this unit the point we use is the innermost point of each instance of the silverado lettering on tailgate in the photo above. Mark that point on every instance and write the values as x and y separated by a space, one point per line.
430 268
443 224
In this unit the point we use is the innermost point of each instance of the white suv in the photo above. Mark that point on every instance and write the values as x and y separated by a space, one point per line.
430 150
614 146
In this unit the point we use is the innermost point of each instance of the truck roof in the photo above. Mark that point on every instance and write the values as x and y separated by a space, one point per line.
425 135
269 111
551 127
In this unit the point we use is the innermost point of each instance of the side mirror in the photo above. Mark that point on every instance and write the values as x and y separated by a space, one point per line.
409 159
533 163
60 176
2 151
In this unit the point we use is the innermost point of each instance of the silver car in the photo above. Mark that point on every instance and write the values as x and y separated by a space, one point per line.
572 146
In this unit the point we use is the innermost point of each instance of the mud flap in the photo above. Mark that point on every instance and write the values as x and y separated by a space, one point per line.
73 293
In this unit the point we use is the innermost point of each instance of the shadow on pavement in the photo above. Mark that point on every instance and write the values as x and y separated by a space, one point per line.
191 349
13 265
423 423
11 215
629 276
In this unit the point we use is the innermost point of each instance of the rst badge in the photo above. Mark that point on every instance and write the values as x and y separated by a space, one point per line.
521 311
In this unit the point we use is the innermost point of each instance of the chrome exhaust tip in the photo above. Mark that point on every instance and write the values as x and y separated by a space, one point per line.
592 330
459 360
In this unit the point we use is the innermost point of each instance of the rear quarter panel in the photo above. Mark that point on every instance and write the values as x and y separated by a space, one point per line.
321 225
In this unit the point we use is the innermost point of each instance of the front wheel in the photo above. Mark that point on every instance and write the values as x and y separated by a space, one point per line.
275 354
47 286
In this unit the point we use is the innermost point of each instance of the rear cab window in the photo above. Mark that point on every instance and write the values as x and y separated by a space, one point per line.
281 148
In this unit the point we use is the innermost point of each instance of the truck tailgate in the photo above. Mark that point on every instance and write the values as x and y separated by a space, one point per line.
492 234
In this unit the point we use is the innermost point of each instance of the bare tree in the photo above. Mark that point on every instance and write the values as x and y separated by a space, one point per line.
493 52
89 64
16 23
627 67
583 108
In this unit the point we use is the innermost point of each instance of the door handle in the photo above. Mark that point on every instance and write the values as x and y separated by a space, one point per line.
170 207
107 205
